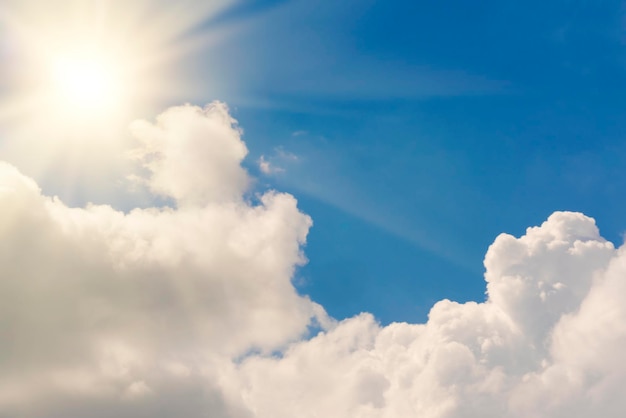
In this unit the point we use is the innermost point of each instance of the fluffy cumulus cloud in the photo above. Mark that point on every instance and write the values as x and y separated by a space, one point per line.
546 343
138 312
189 310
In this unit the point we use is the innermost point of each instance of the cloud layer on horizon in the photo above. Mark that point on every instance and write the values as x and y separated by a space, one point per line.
190 310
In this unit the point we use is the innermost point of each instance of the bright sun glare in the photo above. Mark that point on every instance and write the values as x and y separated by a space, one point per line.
80 68
75 73
86 82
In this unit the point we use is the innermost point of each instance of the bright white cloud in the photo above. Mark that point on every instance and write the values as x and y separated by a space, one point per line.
190 311
547 342
101 309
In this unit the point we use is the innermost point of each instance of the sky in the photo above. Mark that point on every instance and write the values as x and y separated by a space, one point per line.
266 209
425 129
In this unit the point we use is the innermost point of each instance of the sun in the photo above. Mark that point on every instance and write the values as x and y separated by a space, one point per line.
83 81
74 74
86 82
77 72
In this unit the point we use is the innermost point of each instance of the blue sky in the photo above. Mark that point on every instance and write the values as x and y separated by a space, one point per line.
424 129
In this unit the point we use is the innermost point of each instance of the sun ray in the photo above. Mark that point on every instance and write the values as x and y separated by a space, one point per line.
97 56
76 72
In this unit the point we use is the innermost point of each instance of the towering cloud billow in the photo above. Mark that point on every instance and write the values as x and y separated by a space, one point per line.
189 310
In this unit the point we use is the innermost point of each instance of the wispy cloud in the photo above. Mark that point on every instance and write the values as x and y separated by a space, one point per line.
278 162
268 168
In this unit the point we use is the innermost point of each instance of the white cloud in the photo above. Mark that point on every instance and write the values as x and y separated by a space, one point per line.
99 308
547 342
155 312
